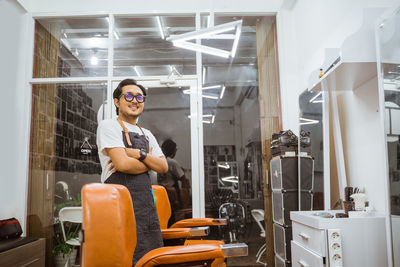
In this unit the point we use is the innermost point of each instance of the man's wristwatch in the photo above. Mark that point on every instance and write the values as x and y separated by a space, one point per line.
143 154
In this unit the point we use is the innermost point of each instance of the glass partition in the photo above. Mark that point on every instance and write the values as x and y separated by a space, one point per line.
232 138
71 47
140 48
167 115
63 154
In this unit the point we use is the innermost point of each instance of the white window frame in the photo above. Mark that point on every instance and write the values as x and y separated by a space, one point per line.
194 81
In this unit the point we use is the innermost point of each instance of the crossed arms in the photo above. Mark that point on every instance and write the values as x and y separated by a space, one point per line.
127 160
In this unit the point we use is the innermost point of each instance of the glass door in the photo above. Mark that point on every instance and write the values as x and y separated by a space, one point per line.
170 113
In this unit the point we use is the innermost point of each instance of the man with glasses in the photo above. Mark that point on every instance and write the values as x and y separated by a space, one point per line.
127 152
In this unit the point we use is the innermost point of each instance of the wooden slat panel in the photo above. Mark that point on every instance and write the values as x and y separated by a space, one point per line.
269 116
43 131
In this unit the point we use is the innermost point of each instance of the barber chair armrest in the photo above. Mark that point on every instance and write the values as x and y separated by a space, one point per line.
235 250
190 242
176 233
180 254
197 222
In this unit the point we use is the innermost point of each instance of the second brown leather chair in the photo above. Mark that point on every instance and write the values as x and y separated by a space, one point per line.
164 213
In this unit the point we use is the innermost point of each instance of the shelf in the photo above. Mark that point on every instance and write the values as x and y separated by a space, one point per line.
347 76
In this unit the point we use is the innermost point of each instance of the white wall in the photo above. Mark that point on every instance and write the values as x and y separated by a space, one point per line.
358 111
304 31
155 6
13 179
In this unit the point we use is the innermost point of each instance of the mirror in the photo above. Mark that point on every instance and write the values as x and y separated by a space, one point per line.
227 173
389 50
310 106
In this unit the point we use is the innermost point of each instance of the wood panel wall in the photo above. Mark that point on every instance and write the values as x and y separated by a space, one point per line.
270 118
43 141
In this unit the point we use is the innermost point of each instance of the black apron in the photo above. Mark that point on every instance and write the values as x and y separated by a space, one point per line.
147 224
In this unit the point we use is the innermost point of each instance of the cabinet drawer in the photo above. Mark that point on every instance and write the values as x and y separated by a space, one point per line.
28 255
302 257
310 238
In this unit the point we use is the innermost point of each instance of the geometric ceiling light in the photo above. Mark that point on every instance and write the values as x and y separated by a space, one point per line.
304 121
183 40
317 98
187 91
215 97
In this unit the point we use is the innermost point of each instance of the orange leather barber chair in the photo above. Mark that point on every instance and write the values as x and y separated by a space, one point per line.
164 213
109 235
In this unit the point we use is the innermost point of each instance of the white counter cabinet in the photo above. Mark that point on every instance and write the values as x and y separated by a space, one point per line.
336 242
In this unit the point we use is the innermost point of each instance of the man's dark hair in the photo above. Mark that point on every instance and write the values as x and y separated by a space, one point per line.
168 147
118 91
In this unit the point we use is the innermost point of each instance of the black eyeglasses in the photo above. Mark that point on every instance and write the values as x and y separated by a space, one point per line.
129 97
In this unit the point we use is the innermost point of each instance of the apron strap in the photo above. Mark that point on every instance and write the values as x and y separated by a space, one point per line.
126 131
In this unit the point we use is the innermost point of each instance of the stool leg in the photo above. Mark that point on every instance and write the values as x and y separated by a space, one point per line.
260 253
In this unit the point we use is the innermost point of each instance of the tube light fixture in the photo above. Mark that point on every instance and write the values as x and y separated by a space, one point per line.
204 75
187 91
312 100
203 49
116 35
210 96
200 34
211 87
160 27
224 165
230 179
204 116
308 121
137 71
213 119
222 92
208 122
236 41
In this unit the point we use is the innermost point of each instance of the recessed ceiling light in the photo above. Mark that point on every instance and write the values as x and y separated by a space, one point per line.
94 60
94 42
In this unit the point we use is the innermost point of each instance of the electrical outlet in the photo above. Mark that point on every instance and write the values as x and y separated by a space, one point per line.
335 248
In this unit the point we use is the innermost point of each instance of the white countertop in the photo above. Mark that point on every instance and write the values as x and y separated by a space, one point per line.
312 218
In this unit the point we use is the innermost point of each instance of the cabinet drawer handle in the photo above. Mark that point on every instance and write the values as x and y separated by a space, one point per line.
304 236
303 263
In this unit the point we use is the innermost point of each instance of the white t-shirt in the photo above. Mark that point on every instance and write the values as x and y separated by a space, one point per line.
109 135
